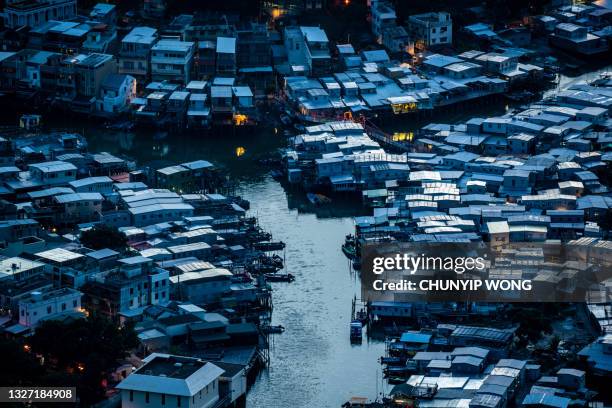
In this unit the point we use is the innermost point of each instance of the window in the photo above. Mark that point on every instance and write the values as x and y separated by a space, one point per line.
147 397
63 307
178 401
48 309
74 303
163 399
131 395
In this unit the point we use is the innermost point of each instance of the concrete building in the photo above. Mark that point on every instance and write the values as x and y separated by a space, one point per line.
53 173
135 52
40 306
124 293
104 13
577 39
316 50
90 73
78 207
19 269
253 46
226 56
172 381
383 16
116 92
32 13
171 60
430 29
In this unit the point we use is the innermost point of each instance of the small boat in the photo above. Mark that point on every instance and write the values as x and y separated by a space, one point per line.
396 380
397 371
260 268
349 248
362 316
356 331
274 260
269 246
273 277
392 361
273 329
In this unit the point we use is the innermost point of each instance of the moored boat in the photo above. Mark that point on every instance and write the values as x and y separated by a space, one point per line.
273 277
269 246
356 331
273 329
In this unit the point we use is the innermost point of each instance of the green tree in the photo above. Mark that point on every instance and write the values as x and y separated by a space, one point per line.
103 236
19 367
88 349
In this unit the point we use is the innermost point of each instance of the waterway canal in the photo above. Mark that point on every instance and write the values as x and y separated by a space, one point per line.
313 363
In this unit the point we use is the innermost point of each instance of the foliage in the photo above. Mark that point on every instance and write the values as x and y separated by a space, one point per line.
103 236
18 366
82 352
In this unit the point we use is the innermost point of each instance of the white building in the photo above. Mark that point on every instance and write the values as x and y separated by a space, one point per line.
135 52
116 92
19 269
171 60
431 29
39 306
171 381
226 55
32 13
316 50
383 16
79 207
156 213
53 172
101 184
203 286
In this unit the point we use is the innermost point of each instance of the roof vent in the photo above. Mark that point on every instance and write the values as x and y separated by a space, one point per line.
178 365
